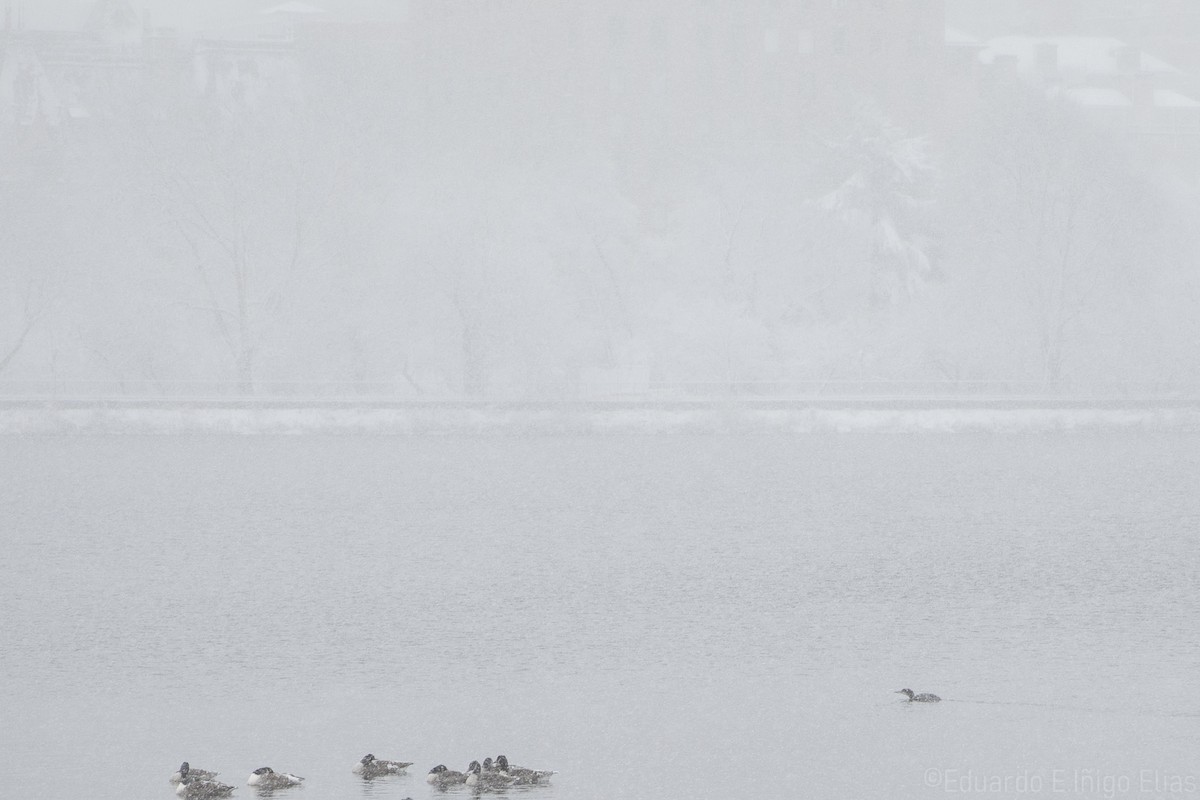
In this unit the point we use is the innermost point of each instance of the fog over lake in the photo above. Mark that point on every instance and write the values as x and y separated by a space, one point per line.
514 200
646 390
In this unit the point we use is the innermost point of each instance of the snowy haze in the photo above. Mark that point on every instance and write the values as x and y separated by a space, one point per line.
640 199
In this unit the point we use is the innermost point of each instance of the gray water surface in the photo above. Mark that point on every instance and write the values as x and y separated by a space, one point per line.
652 617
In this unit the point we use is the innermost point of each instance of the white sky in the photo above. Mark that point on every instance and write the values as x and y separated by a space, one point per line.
192 14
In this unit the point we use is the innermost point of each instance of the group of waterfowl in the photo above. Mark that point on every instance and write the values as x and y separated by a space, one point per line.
498 774
488 775
201 784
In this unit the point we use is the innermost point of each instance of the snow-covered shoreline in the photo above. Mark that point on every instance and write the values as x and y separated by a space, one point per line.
509 419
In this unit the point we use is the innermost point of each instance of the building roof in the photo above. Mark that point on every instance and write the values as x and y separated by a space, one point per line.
1077 55
1106 97
1168 98
1097 97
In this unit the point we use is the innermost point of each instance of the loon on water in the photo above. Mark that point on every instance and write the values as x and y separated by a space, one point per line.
919 698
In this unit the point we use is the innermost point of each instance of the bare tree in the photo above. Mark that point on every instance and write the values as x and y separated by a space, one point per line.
1061 213
33 308
243 201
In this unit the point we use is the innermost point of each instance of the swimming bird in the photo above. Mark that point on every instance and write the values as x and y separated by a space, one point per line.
919 698
202 789
267 778
185 770
522 774
440 776
487 780
372 767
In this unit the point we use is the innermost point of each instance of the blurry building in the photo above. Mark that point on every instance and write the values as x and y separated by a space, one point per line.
1139 97
663 85
726 68
762 64
117 60
49 77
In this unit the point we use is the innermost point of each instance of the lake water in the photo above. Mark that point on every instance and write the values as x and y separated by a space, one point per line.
653 617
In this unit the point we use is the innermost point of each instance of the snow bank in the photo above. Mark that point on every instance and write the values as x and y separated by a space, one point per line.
580 419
